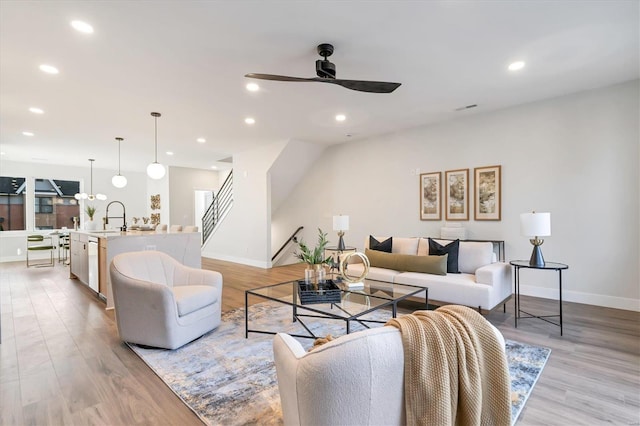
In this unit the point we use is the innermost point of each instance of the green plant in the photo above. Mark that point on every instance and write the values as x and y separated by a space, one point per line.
91 211
315 256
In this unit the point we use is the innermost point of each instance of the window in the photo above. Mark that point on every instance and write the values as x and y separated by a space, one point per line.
12 196
44 205
54 203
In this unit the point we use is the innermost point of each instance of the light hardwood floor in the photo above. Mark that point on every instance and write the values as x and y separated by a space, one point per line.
61 361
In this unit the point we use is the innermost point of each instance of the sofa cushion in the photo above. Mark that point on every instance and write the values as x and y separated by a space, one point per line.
384 246
406 262
190 298
437 249
474 255
405 245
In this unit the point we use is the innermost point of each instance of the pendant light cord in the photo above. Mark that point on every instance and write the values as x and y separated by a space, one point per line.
156 125
91 176
119 158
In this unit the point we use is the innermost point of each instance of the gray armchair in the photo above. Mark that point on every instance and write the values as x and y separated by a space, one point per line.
160 302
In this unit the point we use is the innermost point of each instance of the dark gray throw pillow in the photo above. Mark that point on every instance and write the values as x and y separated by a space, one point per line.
384 246
451 249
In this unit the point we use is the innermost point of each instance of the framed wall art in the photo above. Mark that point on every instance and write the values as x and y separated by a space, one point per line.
487 193
456 194
431 196
155 202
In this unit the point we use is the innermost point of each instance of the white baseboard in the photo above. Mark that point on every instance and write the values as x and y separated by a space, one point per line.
241 260
580 297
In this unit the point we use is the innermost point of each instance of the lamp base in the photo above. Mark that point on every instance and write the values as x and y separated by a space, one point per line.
536 257
341 245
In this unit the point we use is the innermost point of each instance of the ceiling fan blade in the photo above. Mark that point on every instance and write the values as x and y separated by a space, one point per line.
274 77
361 86
366 86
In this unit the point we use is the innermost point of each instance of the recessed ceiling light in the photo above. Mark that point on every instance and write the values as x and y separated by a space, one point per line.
169 153
27 133
214 167
515 66
2 153
83 27
201 140
49 69
252 87
36 110
341 117
249 120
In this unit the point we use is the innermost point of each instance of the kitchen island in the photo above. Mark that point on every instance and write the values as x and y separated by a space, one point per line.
91 253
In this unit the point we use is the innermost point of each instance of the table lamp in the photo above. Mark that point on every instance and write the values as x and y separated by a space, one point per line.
536 225
341 224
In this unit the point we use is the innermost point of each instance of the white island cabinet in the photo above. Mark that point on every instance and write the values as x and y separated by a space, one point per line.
182 246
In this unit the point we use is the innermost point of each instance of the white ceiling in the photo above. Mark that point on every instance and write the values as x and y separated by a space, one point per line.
187 60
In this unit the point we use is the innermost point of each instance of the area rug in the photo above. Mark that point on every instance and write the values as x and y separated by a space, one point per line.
229 380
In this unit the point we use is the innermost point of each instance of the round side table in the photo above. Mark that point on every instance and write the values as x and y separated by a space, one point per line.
552 266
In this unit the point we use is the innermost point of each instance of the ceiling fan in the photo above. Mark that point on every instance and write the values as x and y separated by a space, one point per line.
326 72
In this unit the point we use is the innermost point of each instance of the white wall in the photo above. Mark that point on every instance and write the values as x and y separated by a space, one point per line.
575 156
129 196
245 234
183 182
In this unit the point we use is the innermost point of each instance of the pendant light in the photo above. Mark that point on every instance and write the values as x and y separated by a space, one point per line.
156 170
90 196
118 180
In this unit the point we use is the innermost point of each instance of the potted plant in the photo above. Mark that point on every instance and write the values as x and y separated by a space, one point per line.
314 258
91 211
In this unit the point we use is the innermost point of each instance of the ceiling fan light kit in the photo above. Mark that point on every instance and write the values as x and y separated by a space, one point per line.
326 73
156 170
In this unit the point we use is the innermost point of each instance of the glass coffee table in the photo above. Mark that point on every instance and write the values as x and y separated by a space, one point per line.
346 305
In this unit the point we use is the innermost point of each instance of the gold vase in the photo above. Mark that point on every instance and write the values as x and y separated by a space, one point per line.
315 274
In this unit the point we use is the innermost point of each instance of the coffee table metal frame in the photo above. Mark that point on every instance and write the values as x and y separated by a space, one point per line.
317 312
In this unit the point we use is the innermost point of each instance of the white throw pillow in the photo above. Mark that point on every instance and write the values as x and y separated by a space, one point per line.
473 255
405 246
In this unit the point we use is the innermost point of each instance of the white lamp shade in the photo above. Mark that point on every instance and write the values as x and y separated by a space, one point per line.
101 197
119 181
535 224
78 196
341 223
155 171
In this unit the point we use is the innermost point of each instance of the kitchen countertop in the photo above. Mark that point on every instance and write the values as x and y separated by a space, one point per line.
109 234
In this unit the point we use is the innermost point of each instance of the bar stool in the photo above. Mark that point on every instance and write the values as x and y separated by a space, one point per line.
63 248
37 243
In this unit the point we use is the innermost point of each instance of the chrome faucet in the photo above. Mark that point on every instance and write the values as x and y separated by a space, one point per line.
123 217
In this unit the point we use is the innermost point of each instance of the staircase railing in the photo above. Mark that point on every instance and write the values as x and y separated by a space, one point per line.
293 238
219 207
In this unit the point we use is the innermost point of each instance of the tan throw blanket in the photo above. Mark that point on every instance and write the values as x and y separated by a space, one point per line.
455 370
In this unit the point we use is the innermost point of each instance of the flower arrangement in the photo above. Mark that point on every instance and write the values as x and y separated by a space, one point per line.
315 256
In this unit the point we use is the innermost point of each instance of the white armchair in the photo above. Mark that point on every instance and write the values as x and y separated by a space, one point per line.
357 379
160 302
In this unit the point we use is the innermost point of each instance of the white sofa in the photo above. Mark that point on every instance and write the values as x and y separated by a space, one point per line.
357 379
482 283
